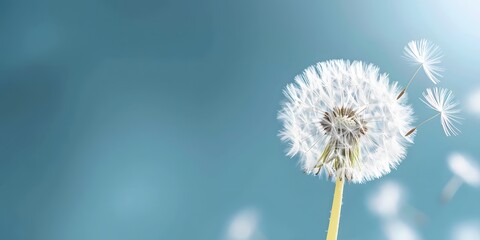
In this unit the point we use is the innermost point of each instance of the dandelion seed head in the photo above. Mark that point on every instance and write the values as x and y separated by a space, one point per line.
428 55
443 101
342 119
464 168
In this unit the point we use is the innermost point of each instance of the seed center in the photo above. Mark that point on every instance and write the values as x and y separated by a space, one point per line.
345 127
343 123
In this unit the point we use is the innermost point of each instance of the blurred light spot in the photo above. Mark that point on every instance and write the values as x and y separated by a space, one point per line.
461 16
387 200
473 103
398 230
466 231
243 225
464 168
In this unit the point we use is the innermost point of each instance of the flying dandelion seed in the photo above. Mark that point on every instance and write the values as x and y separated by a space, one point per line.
442 101
426 55
465 171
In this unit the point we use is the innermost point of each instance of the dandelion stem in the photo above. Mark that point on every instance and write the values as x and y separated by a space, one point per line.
451 188
409 82
425 121
335 212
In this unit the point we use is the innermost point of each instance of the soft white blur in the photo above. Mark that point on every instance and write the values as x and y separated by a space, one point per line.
473 102
466 231
399 230
244 226
464 168
386 201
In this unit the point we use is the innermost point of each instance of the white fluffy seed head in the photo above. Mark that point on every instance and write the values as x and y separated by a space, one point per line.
343 119
443 101
426 54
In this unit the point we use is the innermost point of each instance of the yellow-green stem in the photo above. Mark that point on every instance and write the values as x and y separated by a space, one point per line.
335 212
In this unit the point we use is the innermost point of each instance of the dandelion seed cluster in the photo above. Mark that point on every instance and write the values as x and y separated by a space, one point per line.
343 118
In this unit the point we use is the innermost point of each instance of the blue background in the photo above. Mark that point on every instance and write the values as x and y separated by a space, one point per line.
156 119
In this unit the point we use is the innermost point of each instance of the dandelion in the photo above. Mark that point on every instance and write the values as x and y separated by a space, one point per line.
442 101
465 171
347 121
344 120
427 55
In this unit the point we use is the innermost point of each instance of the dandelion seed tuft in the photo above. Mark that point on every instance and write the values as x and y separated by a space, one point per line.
443 101
428 55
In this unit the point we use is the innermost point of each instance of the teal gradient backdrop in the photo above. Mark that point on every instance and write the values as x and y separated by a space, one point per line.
157 119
